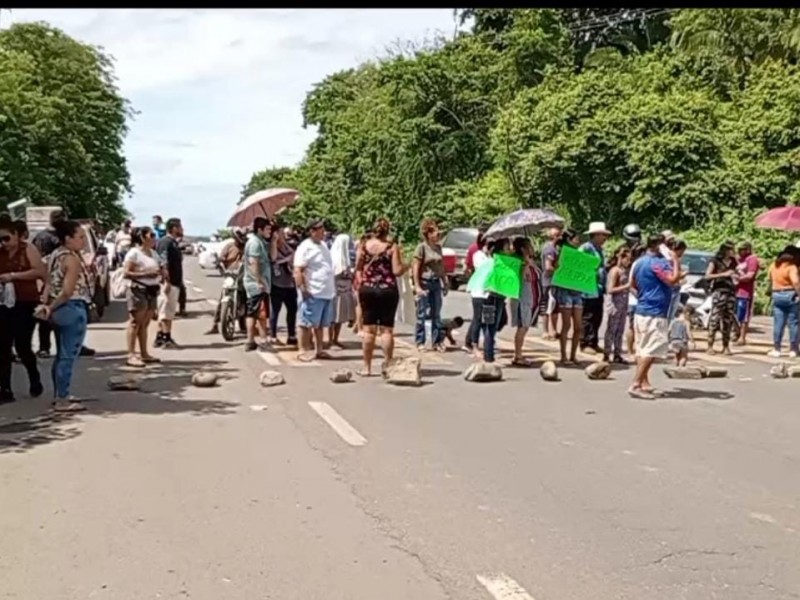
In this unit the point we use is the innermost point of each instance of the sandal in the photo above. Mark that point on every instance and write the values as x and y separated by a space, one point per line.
135 362
305 357
72 406
640 394
323 356
150 360
364 372
521 362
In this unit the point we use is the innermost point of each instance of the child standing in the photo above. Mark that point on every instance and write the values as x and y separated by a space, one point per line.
617 303
680 336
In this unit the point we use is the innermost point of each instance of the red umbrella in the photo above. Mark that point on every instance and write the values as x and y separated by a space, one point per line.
786 218
262 204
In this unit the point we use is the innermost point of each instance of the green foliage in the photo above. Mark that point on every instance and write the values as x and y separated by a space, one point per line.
62 124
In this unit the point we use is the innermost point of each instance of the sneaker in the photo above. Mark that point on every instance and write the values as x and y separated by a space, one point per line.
6 396
169 344
43 354
85 351
36 389
250 347
291 342
774 353
159 341
214 330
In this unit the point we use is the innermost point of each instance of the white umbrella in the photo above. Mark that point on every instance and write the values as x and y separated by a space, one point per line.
262 204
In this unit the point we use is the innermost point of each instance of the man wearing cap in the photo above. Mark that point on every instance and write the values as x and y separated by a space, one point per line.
593 302
257 278
313 274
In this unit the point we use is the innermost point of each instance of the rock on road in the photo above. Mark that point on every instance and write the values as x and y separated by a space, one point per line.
516 490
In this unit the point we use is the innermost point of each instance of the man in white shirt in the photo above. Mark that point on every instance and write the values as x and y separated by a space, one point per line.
313 274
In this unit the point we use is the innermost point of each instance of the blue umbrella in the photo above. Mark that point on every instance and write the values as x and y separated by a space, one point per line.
524 222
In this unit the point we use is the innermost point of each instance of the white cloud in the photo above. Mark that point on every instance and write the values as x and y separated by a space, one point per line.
219 91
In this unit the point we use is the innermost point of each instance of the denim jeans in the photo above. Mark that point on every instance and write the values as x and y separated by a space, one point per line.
69 322
430 305
785 310
490 329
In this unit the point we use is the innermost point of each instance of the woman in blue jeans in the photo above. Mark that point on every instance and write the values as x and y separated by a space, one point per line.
784 287
67 297
427 269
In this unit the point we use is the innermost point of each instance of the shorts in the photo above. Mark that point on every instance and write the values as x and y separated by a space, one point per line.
142 297
744 309
316 312
378 306
168 303
652 336
568 298
254 305
678 346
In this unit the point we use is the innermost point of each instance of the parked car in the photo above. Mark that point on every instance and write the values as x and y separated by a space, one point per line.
454 252
693 291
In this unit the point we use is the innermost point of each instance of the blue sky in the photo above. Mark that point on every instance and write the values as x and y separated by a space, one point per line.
219 91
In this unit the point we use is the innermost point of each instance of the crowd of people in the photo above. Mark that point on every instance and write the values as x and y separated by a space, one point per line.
324 281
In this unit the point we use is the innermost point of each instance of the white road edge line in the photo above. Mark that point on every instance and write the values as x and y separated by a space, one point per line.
502 587
270 359
338 424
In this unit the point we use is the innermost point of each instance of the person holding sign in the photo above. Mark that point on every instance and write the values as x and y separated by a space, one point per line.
525 309
569 301
652 278
494 304
593 301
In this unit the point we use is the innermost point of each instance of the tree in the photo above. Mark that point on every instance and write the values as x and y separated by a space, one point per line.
62 124
275 177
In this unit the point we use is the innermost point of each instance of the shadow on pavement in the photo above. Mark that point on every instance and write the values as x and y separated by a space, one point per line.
695 394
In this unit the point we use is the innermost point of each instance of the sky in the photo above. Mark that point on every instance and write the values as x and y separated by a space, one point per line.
219 92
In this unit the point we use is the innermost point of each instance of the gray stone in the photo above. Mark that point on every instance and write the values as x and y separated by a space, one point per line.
598 370
793 372
482 372
342 376
779 371
271 379
204 380
683 372
549 371
714 372
403 371
124 383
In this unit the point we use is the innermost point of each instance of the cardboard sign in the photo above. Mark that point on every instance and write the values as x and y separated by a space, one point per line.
506 276
576 270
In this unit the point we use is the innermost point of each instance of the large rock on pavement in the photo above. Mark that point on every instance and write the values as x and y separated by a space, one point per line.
204 379
549 371
598 370
482 372
271 379
124 383
779 371
793 372
403 371
714 372
684 372
342 376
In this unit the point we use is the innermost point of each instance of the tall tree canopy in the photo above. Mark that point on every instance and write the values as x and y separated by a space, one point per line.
62 124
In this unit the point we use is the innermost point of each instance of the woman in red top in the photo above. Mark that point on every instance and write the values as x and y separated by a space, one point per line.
20 267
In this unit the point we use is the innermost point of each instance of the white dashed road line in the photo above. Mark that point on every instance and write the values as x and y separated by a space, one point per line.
346 431
502 587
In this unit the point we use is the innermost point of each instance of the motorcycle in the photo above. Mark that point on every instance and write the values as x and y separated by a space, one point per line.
232 305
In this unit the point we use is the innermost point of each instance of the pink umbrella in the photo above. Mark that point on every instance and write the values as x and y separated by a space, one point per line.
262 204
784 217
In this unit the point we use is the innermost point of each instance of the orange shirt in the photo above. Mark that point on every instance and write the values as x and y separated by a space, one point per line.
780 276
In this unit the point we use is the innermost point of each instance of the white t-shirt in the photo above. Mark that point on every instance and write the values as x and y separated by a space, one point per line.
632 299
316 259
478 259
123 240
143 262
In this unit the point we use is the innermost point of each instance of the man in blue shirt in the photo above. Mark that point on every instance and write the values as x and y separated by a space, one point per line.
652 280
593 303
159 228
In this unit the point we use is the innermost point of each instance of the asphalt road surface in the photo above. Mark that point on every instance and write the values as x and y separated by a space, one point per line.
514 491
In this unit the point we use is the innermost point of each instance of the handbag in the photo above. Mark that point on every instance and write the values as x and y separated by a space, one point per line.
119 284
489 312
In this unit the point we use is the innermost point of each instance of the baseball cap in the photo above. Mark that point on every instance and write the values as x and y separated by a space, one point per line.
315 223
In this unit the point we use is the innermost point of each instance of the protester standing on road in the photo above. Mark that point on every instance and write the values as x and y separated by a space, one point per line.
784 289
379 263
652 279
123 241
570 304
313 275
230 257
284 291
477 295
344 303
617 304
637 252
68 294
524 310
171 256
257 279
159 229
469 265
428 273
144 269
46 242
593 302
494 306
746 272
721 273
549 254
21 268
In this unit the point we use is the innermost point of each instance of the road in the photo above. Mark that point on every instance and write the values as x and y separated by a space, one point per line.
514 491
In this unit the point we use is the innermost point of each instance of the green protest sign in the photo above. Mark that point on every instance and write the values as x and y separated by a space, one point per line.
576 270
506 276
